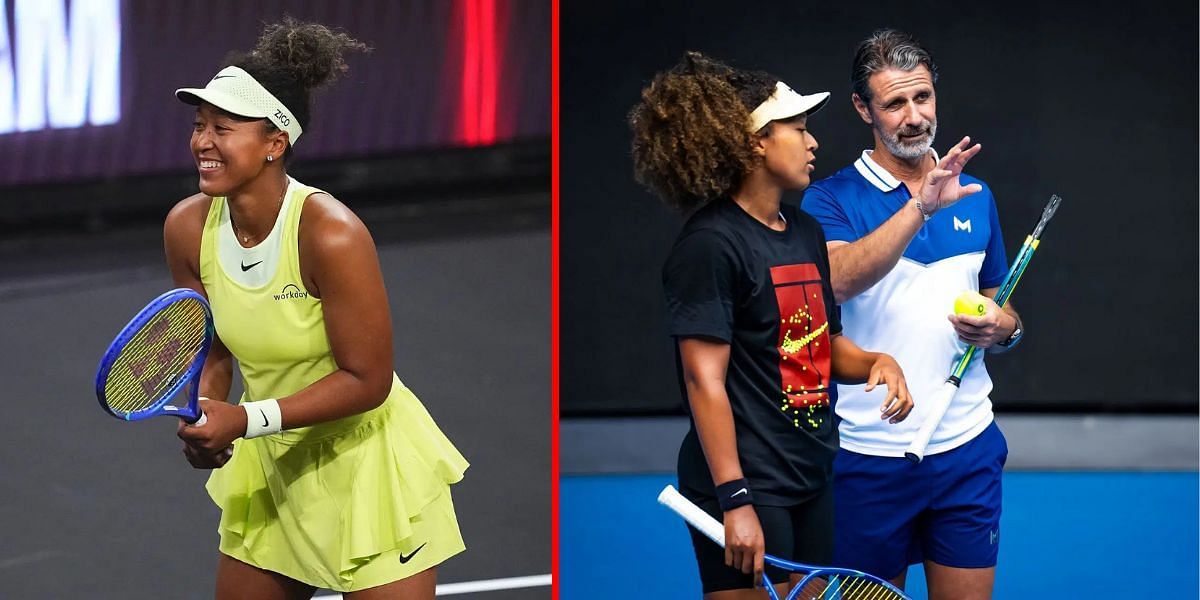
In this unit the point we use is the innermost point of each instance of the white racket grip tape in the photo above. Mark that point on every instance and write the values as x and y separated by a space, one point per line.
702 521
203 418
937 409
262 418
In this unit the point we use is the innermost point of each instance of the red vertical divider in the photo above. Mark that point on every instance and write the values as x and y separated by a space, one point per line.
554 297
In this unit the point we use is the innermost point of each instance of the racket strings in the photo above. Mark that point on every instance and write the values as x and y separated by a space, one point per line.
143 373
142 386
155 357
152 373
149 363
845 587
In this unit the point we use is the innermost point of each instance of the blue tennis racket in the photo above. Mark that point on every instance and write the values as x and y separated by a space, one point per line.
819 583
160 352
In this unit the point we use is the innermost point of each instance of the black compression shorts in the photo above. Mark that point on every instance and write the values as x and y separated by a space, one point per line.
802 533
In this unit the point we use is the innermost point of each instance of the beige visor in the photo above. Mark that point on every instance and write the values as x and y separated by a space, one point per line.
785 103
235 91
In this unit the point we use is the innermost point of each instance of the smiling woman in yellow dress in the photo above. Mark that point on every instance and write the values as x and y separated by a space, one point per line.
329 473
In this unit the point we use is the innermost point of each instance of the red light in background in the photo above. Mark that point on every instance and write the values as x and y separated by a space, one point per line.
480 72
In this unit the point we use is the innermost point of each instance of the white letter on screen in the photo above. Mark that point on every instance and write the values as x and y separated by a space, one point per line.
62 75
7 106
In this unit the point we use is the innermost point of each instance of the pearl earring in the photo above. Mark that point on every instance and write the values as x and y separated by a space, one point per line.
270 158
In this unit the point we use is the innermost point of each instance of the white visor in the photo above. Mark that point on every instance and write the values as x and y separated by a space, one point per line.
785 103
235 91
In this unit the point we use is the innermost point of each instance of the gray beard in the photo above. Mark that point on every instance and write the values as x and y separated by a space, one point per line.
912 150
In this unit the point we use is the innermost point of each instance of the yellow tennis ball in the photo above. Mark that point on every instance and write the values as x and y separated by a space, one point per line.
971 303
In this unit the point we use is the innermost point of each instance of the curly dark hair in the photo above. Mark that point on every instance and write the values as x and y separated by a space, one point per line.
690 138
294 58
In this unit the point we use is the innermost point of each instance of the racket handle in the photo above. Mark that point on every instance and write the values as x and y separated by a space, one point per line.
200 420
194 407
702 521
937 409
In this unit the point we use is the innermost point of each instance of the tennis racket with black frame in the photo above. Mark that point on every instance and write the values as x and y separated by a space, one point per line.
941 400
158 354
819 583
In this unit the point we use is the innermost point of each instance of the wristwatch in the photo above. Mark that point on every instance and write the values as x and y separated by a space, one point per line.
921 208
1014 338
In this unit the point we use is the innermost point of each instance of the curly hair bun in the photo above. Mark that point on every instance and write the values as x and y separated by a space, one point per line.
691 143
311 52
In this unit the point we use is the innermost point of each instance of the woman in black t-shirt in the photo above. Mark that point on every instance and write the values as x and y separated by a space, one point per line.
752 310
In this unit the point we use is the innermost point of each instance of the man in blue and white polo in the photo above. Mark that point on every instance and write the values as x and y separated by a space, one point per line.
907 233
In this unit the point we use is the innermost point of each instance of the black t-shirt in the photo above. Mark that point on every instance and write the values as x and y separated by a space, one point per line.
767 294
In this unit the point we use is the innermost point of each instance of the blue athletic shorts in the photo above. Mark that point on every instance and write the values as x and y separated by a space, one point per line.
890 513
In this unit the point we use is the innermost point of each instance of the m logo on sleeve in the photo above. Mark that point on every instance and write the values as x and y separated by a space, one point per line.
962 225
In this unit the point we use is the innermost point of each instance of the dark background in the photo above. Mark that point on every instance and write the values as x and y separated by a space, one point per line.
91 507
1093 101
405 94
397 122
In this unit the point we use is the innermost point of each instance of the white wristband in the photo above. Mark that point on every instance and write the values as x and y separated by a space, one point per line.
262 418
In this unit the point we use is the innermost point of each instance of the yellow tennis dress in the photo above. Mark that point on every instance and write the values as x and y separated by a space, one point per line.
345 505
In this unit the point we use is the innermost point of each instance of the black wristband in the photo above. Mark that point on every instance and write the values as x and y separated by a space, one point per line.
734 494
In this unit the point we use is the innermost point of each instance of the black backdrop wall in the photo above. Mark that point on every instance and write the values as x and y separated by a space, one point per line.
1093 101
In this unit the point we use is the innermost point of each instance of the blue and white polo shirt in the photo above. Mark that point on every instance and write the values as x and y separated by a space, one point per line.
904 314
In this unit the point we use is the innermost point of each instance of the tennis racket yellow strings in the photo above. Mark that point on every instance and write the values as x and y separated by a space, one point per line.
156 357
845 587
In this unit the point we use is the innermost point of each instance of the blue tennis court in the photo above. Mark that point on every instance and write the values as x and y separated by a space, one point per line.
1066 535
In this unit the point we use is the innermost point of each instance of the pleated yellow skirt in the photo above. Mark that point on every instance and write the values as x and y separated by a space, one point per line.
346 505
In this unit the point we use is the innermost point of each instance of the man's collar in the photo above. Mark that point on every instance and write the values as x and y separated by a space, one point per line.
877 175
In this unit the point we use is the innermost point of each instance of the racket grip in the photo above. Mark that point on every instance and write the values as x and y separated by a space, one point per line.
937 409
200 421
702 521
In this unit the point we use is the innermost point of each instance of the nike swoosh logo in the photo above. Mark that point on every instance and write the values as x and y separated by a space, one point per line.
264 415
405 559
246 267
741 491
222 77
